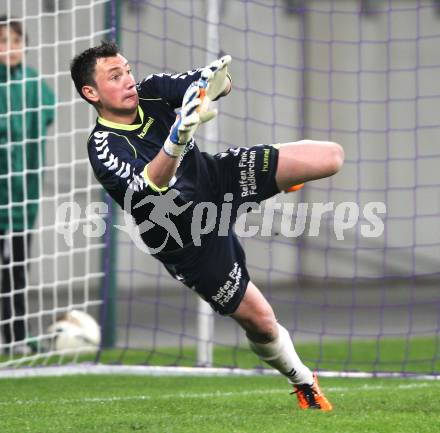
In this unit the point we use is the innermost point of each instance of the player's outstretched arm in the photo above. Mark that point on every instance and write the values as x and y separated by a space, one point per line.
172 87
193 113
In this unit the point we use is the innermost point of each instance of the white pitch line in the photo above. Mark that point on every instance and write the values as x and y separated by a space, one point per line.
203 395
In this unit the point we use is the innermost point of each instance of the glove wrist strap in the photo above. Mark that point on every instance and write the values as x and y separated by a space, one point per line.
172 149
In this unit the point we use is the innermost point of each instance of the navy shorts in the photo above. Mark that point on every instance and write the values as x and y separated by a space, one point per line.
216 269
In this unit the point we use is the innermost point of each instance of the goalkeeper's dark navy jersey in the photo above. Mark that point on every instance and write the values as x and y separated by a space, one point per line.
212 263
119 154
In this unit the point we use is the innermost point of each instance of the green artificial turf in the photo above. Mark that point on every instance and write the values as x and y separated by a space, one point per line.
122 404
260 404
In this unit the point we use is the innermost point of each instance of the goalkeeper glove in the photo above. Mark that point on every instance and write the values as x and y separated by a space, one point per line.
216 74
193 113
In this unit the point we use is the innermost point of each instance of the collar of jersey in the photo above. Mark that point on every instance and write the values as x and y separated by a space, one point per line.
123 126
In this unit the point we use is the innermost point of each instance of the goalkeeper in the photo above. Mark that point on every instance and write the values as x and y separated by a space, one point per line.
146 158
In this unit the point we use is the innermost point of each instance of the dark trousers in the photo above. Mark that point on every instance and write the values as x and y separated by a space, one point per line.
14 252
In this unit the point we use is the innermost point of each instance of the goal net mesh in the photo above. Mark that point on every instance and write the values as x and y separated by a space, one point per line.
349 264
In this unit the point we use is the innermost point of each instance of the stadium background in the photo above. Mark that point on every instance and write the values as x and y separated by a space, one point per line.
366 79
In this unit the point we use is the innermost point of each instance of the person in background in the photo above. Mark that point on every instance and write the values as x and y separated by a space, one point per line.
26 110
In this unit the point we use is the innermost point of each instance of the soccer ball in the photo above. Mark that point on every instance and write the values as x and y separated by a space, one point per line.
76 332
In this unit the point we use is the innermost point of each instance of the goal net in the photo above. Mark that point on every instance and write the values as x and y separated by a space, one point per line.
349 264
60 265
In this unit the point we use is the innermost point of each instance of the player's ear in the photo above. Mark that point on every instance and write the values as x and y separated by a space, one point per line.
90 93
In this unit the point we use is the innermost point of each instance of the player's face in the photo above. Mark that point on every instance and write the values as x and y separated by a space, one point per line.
115 86
11 47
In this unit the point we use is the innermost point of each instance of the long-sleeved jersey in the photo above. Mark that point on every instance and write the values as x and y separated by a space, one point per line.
119 153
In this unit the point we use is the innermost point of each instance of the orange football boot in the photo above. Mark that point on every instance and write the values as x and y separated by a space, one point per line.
311 396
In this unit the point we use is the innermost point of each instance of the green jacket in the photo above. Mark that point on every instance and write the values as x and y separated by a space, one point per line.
25 113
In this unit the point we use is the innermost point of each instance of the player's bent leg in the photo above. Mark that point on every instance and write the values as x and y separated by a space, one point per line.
256 316
268 339
271 342
307 160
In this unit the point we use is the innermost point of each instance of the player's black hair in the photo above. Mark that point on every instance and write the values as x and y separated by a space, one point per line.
82 67
14 24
